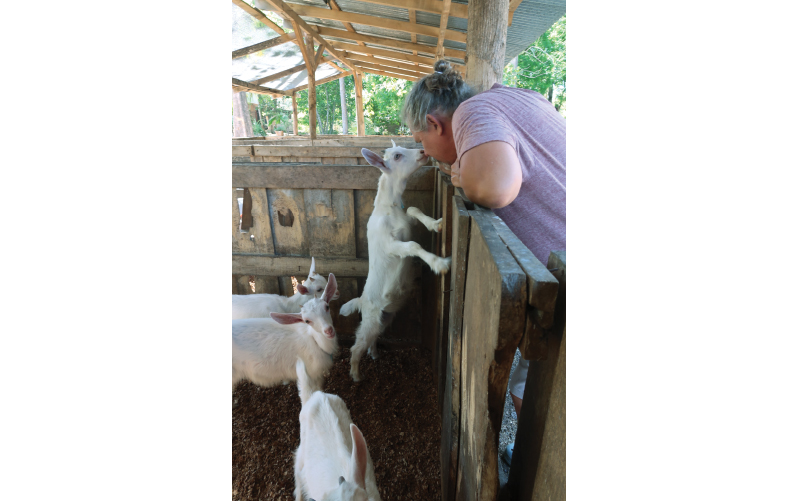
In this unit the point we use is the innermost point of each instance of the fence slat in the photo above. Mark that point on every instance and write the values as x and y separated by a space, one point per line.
261 228
321 177
364 200
538 466
452 397
287 211
494 319
282 266
331 225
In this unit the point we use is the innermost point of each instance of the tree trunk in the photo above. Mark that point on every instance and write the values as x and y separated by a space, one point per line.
342 96
487 27
242 126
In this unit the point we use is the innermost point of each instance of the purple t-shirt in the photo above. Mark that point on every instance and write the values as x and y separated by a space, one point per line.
528 122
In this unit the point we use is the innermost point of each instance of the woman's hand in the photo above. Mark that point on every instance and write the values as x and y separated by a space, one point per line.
455 174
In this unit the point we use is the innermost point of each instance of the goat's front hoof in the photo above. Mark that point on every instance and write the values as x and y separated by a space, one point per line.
437 226
441 265
374 353
355 376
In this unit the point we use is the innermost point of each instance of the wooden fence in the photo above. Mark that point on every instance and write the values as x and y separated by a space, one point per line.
497 297
302 200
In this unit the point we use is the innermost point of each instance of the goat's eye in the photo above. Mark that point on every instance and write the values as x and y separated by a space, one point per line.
319 290
326 308
308 321
397 156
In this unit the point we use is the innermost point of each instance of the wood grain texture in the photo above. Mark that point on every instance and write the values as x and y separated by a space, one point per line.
288 216
451 411
494 316
266 285
306 151
331 222
364 204
359 103
389 42
336 177
444 249
261 264
259 238
267 44
487 26
537 403
432 6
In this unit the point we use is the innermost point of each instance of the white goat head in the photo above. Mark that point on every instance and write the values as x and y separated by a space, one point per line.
317 314
315 284
397 162
355 488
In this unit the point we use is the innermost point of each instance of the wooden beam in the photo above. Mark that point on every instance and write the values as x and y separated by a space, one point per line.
359 105
420 61
378 22
324 80
257 88
264 19
388 74
318 57
287 72
412 18
295 124
486 47
389 42
278 266
432 6
442 28
286 11
321 177
308 56
390 69
267 44
349 27
389 64
512 6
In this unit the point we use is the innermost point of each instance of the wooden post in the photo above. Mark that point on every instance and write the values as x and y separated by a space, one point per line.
487 27
359 105
241 116
343 98
294 114
312 92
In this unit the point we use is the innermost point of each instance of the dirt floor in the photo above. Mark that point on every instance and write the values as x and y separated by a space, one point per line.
394 406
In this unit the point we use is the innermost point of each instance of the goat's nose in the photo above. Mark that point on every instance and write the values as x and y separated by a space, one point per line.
329 332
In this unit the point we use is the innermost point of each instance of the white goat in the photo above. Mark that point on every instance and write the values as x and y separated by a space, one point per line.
332 461
390 251
261 305
265 349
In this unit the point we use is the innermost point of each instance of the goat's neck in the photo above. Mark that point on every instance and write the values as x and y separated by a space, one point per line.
296 301
390 191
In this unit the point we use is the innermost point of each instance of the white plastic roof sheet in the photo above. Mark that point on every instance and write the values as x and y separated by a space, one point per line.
531 19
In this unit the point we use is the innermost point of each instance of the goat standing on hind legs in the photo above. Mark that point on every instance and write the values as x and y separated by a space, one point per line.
390 251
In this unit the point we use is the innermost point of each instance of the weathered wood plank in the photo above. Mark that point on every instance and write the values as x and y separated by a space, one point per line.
494 319
348 289
259 238
331 225
327 177
544 390
364 203
266 285
263 264
444 248
243 285
306 151
451 411
287 211
247 207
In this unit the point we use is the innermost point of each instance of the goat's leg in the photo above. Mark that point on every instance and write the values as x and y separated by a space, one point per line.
438 264
298 490
429 222
366 335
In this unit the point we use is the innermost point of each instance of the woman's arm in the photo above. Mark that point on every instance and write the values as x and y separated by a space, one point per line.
489 174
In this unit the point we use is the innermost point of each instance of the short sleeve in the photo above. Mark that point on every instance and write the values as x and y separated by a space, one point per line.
476 122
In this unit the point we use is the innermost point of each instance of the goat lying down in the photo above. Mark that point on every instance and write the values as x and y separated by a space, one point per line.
332 461
265 350
261 305
390 251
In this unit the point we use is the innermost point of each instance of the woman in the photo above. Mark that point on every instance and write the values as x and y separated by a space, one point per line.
508 151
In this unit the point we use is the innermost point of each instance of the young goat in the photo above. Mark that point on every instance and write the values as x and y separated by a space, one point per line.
390 251
332 461
261 305
265 349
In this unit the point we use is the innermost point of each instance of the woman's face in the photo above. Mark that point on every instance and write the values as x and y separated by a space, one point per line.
437 141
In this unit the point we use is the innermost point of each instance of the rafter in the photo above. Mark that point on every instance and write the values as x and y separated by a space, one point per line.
412 18
374 51
322 81
258 89
389 69
287 72
443 28
263 18
349 27
284 9
512 6
378 22
388 63
432 6
389 42
267 44
387 74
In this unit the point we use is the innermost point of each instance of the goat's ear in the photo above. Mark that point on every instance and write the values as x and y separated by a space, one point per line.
302 289
286 318
374 160
358 459
313 265
330 289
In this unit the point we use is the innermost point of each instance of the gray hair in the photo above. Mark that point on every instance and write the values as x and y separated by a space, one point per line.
440 92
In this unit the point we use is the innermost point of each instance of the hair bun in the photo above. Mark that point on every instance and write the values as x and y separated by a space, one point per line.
443 78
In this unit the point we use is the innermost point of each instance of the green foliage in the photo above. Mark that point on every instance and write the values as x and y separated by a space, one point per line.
543 66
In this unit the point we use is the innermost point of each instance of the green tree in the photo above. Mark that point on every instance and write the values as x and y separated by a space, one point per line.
543 66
